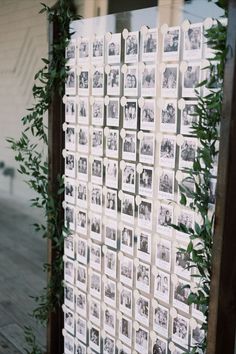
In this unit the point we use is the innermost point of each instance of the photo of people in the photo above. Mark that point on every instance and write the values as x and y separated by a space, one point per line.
168 116
110 263
96 227
166 185
83 168
112 143
114 49
81 303
131 81
95 311
162 286
70 217
160 346
148 84
98 81
144 246
70 86
70 165
95 285
171 44
110 292
98 111
128 178
169 85
113 81
82 250
81 225
149 45
81 328
145 214
180 295
142 310
70 190
97 171
127 240
146 154
185 220
83 139
83 110
164 219
113 112
109 320
163 254
81 277
141 340
126 301
126 271
143 277
111 235
161 320
146 181
112 174
191 79
188 117
83 78
94 338
180 330
130 114
83 49
69 296
182 263
188 152
69 321
98 49
111 202
198 336
97 142
95 256
70 110
167 151
193 42
148 114
127 208
108 345
96 197
71 52
129 146
132 47
125 330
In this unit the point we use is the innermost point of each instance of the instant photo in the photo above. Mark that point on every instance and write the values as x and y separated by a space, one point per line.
193 42
143 277
148 83
112 173
109 345
145 214
127 208
167 149
112 143
113 112
97 142
71 52
161 320
110 263
169 81
81 221
142 310
171 44
130 113
111 234
69 271
126 271
127 240
95 256
110 292
162 286
182 263
132 47
126 299
70 190
69 293
146 181
70 110
95 284
113 81
148 115
191 78
96 227
147 148
111 203
95 311
168 116
82 164
129 177
188 117
144 246
114 49
69 342
125 330
180 330
98 111
70 86
97 55
81 277
180 295
83 49
166 184
81 303
83 139
70 169
129 146
69 217
131 81
160 346
98 81
94 338
81 329
81 250
83 81
149 45
141 340
163 254
109 319
97 170
185 220
187 152
164 219
96 198
83 110
69 246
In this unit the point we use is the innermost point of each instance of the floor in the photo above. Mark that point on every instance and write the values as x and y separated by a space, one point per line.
22 253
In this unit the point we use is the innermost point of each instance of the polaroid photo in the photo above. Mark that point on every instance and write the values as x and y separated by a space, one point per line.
124 350
131 81
69 343
97 170
144 246
110 263
114 49
148 114
83 139
83 110
81 277
125 301
163 254
185 220
98 81
182 262
145 214
187 152
113 112
109 346
149 45
81 221
70 110
212 192
94 339
96 198
69 246
127 240
169 81
70 53
189 117
98 111
96 227
126 271
165 214
181 293
160 346
113 81
81 303
146 181
130 114
111 203
111 233
112 144
171 44
168 116
162 286
70 85
132 47
95 311
129 146
83 50
79 347
180 330
193 42
197 336
69 294
110 292
188 183
198 311
69 271
125 329
69 320
70 190
190 79
127 208
148 82
147 148
97 49
95 285
142 310
70 170
95 256
161 320
143 277
129 177
97 142
166 182
167 151
70 217
112 174
109 319
81 250
142 340
82 164
83 81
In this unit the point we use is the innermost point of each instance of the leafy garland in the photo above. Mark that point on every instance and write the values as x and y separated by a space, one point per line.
206 130
31 150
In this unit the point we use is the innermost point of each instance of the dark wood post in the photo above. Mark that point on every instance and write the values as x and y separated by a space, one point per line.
222 312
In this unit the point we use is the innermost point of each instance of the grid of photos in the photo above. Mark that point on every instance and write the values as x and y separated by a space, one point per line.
128 141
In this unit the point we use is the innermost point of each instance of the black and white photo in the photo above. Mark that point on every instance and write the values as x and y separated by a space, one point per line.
143 276
142 310
193 42
171 44
180 330
70 86
113 81
180 295
160 347
111 203
148 82
182 263
70 190
167 149
130 114
125 330
126 300
81 277
70 169
127 240
147 148
112 173
94 338
81 250
149 45
83 110
70 110
145 214
127 208
126 271
95 256
144 246
95 284
83 50
168 116
189 116
69 246
82 167
163 254
112 143
81 303
146 181
98 81
97 170
70 217
164 219
129 146
97 141
110 263
83 81
185 219
111 234
109 318
69 320
169 81
161 320
69 293
114 49
191 78
69 342
187 183
162 286
129 177
110 292
96 198
95 311
71 52
187 152
166 184
109 345
98 111
81 221
131 81
79 347
197 336
113 112
69 270
97 55
83 139
148 115
96 227
141 340
132 47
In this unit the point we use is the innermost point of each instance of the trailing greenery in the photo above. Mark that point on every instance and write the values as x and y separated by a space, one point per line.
206 129
31 153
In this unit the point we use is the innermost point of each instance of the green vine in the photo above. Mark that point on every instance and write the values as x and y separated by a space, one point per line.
206 130
30 153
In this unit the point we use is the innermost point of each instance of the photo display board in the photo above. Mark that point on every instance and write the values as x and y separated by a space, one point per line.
129 102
